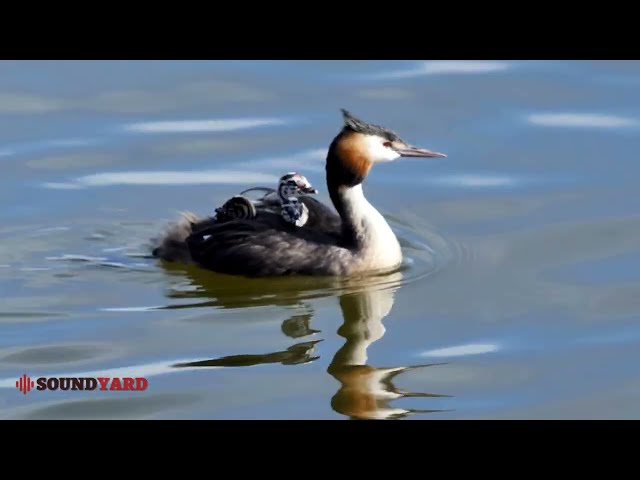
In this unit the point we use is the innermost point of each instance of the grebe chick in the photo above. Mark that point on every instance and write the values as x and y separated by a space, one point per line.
237 207
295 212
318 216
290 185
283 201
365 242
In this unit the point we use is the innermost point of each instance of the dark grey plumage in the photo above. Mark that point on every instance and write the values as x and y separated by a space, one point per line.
267 246
321 217
171 245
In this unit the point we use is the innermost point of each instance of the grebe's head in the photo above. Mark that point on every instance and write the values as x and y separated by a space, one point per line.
237 207
360 145
293 185
295 212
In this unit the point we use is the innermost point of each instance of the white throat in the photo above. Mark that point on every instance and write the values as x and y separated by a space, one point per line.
379 247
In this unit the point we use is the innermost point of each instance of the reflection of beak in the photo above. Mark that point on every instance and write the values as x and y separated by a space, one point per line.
411 151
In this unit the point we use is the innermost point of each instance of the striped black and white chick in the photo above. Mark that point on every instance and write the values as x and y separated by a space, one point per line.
290 185
284 199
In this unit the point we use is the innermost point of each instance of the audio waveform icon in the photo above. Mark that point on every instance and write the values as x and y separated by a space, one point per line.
24 384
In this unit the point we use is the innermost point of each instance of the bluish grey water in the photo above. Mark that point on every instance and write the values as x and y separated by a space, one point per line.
520 297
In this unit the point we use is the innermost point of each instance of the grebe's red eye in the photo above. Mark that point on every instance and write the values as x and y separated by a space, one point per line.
387 144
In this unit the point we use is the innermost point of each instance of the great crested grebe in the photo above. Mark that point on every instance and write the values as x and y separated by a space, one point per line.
282 207
365 242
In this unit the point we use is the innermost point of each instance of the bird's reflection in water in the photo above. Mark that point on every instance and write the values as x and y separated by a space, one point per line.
298 326
365 391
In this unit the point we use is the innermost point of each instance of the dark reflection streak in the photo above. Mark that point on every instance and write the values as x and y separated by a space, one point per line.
187 305
294 355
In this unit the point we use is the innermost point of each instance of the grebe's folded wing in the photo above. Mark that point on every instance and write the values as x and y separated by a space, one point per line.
261 248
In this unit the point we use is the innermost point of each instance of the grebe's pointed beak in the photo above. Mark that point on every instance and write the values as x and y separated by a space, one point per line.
405 150
310 190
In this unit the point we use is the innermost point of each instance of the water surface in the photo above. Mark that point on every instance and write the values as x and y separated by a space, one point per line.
520 293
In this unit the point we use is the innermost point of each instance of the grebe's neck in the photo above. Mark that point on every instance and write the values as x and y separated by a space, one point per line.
364 229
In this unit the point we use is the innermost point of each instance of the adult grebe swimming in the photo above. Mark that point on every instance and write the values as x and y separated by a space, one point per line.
364 243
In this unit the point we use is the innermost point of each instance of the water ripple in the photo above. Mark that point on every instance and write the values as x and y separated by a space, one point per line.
446 67
584 120
202 177
461 350
192 126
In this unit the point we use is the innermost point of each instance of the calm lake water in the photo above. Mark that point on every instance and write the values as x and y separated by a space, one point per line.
520 293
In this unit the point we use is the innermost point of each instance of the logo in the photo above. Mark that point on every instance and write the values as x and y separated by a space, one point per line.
129 384
24 384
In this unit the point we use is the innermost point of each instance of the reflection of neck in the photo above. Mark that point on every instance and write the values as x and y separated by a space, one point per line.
366 391
363 314
363 392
